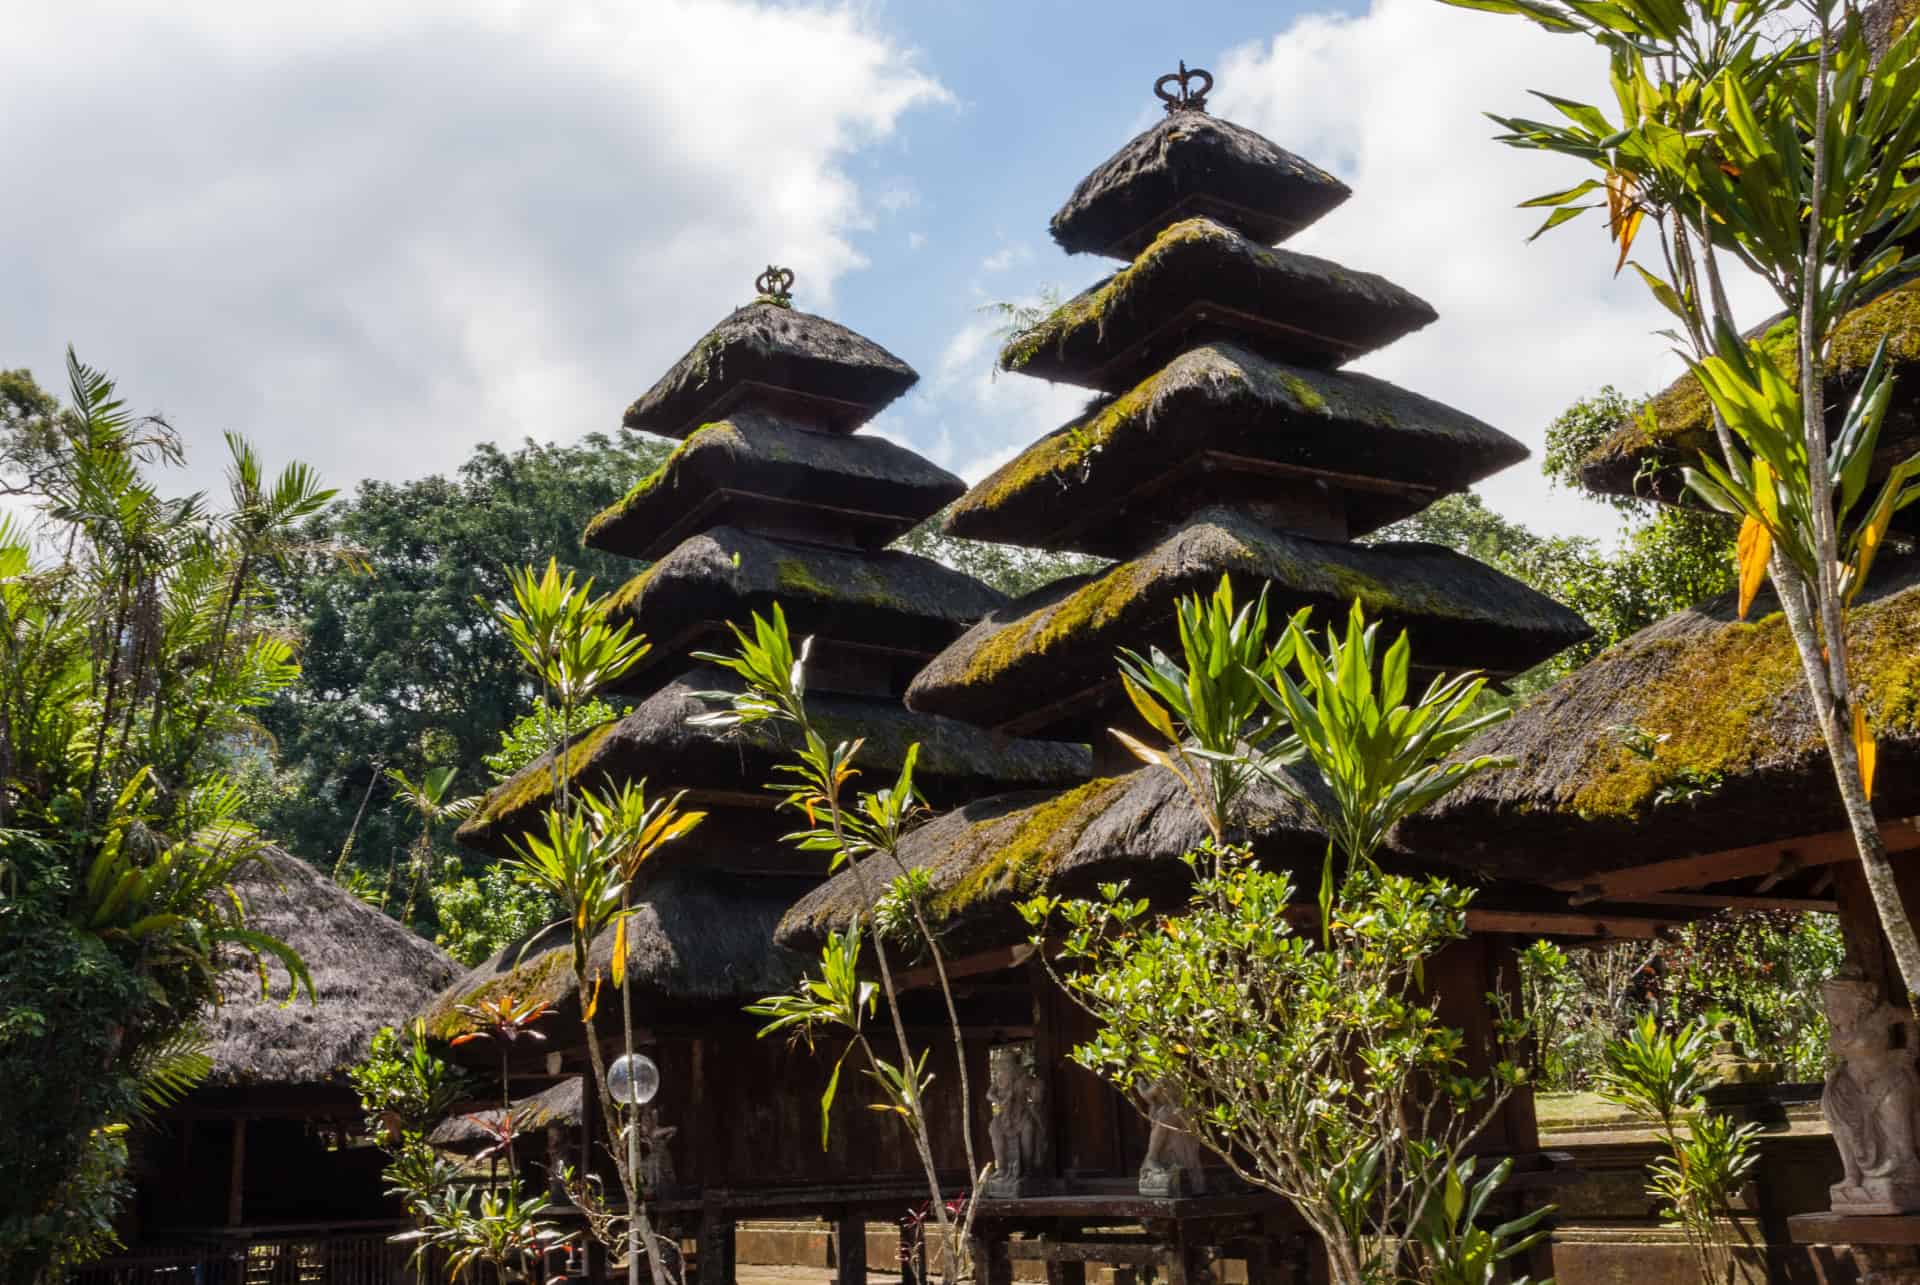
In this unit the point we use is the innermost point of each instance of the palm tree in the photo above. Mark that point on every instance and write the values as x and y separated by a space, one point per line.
428 798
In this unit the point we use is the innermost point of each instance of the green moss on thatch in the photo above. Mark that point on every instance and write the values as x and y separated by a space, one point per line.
547 977
1718 702
1045 833
526 787
1091 607
647 485
1682 418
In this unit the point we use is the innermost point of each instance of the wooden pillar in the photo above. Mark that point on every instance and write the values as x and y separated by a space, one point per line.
850 1248
237 1175
988 1247
589 1133
716 1246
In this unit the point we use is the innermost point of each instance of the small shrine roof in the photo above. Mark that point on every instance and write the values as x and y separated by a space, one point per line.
751 468
889 600
1201 278
1191 163
695 940
1644 458
1178 438
657 744
1035 663
1696 735
772 356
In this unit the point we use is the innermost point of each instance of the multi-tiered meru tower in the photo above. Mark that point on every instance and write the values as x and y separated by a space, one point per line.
1226 439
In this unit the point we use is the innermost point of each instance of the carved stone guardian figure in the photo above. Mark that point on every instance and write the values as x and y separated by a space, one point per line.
1174 1158
1018 1128
1871 1100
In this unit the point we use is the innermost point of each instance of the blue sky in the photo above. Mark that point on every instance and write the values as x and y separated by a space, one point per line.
373 234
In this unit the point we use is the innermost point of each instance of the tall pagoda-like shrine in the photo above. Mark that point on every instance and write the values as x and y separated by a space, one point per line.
771 497
1226 440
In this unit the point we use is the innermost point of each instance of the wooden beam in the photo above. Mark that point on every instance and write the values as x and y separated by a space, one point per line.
987 961
1715 901
237 1174
1735 863
1546 923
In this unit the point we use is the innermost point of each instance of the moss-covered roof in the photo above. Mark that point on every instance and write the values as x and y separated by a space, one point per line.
655 743
778 359
1215 425
1730 752
1010 669
898 603
1886 20
1200 279
983 859
1644 459
752 470
559 1106
696 942
1186 164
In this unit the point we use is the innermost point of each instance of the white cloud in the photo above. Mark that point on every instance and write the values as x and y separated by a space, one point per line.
916 240
1007 256
378 234
1392 101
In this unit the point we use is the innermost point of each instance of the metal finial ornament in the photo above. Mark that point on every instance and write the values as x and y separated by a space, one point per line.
1189 99
775 286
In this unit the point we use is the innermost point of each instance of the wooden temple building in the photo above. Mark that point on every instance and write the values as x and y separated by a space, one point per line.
262 1175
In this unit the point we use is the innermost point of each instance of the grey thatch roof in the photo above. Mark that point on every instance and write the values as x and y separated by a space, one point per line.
1200 280
1217 425
655 743
1059 641
1644 459
695 942
779 359
1190 163
1736 754
985 858
752 470
900 603
1887 19
559 1105
368 972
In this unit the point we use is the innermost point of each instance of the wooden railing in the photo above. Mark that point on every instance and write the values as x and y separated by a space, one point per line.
307 1257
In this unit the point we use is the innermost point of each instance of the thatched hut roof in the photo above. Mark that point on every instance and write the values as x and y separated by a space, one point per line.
696 942
1730 753
559 1105
985 858
1201 279
1186 164
1887 19
1644 458
751 469
656 743
776 358
368 972
1060 640
899 603
1220 424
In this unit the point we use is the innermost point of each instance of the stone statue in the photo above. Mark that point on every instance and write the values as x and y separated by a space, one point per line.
1871 1100
656 1162
1017 1130
1173 1166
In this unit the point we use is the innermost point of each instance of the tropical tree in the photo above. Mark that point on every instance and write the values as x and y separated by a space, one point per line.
1745 140
428 798
1315 1067
134 642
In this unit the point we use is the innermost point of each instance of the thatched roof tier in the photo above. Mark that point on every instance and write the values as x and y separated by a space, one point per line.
755 472
1220 424
368 972
655 743
695 942
1887 19
985 858
559 1105
890 602
1644 458
1190 164
1694 736
1031 665
1201 280
779 359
